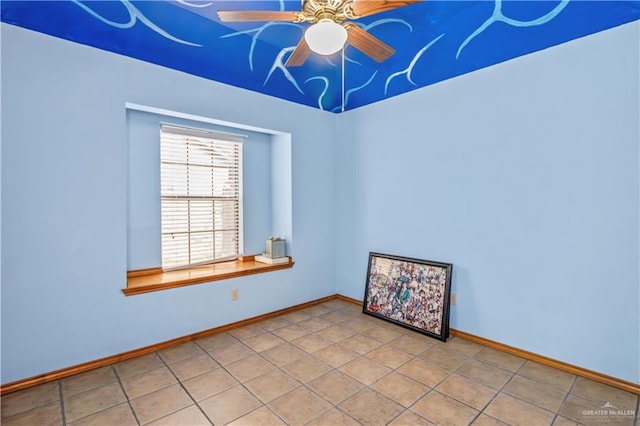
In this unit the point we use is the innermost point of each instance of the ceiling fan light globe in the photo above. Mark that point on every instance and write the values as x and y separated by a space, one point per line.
325 37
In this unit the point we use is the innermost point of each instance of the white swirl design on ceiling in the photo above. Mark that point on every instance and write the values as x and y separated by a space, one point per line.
498 16
134 15
407 71
353 90
278 64
423 54
257 32
324 91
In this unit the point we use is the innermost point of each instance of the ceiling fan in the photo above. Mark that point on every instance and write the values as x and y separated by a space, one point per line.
330 26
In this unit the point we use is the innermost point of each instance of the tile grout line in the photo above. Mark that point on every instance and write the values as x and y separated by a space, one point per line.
531 403
359 333
555 413
417 356
336 369
414 357
481 412
431 388
277 367
64 417
364 355
395 370
564 400
111 367
535 379
311 354
182 386
586 398
135 416
455 371
263 404
333 369
305 385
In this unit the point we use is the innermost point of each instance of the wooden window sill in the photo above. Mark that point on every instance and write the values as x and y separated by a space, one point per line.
154 279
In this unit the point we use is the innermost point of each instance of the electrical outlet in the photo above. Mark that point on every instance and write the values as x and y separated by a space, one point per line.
453 298
234 294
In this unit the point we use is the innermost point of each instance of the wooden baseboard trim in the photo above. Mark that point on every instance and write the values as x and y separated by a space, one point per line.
81 368
563 366
87 366
348 299
550 362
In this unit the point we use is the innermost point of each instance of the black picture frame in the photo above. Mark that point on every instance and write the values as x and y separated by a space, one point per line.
412 293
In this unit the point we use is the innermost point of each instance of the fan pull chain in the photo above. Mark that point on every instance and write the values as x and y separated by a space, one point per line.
342 78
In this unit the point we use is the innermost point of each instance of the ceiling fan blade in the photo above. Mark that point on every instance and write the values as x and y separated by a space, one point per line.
299 54
363 8
368 44
256 16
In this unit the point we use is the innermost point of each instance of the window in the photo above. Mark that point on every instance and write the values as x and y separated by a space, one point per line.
201 187
202 197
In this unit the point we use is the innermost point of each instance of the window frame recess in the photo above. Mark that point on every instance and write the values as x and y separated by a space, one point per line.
229 266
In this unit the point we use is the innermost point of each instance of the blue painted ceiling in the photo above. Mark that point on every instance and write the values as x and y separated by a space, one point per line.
434 40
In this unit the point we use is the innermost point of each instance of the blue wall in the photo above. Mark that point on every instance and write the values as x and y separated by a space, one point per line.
525 176
64 198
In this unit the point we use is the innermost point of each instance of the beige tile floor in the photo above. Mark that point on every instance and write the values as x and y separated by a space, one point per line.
325 365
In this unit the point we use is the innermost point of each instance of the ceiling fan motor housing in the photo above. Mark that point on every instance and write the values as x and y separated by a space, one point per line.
336 10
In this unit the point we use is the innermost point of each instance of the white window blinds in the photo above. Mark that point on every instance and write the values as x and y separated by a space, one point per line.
201 178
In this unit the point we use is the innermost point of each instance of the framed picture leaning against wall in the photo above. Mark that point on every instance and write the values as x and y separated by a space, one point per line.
413 293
